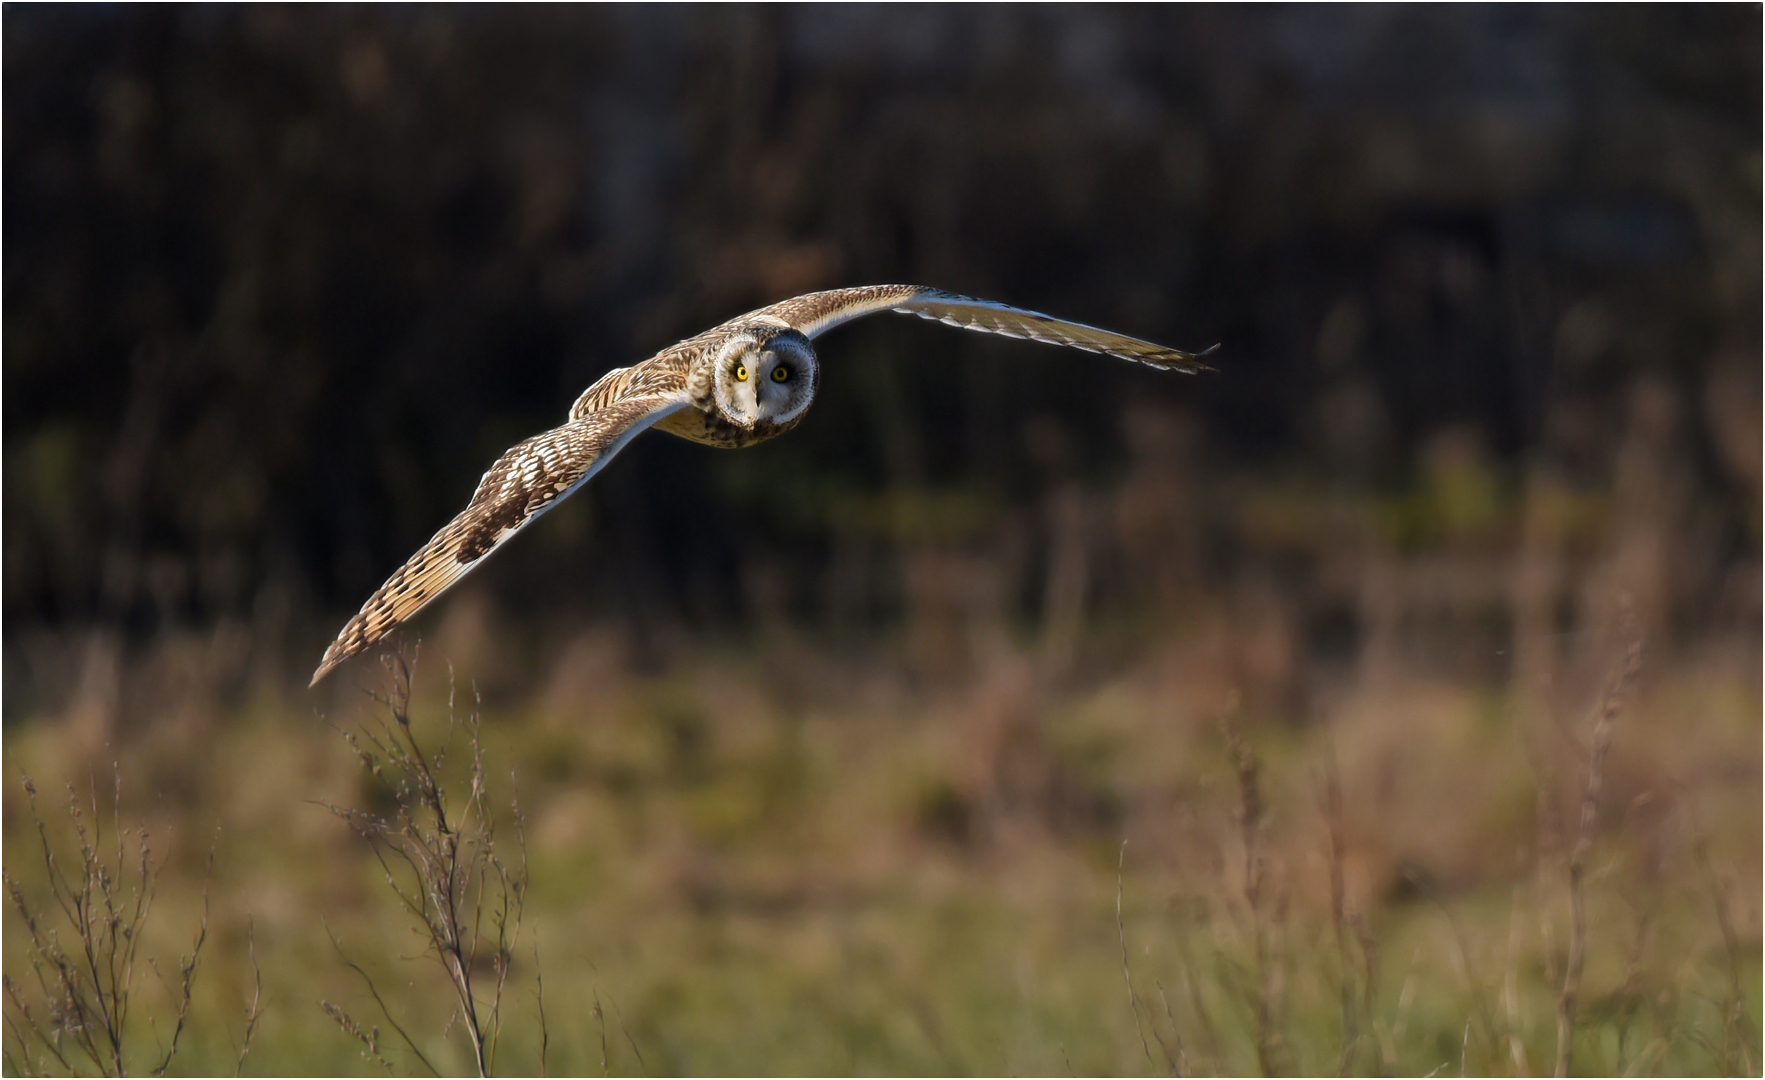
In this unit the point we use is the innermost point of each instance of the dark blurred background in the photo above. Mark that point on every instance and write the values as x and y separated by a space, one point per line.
281 282
883 747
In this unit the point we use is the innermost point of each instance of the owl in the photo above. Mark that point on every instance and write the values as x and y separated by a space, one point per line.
746 381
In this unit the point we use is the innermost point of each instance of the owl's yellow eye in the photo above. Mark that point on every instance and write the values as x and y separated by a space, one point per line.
741 373
780 373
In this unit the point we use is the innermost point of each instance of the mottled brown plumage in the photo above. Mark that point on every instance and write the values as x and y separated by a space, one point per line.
743 382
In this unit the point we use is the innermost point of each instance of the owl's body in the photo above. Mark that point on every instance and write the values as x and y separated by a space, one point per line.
690 367
746 381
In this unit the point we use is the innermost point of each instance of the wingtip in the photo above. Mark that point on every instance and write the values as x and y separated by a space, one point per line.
1197 362
327 665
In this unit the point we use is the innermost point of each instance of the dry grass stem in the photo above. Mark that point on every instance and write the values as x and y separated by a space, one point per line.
1181 1064
1339 919
77 1014
1601 743
1510 993
600 1019
336 1012
1122 937
370 1039
254 1009
443 864
1251 809
187 974
1739 1039
545 1034
625 1031
1203 1017
1461 954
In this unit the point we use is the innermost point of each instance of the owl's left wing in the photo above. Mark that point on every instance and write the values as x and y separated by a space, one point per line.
524 483
816 313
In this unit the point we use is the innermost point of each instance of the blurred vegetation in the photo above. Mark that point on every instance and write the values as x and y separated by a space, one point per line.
840 782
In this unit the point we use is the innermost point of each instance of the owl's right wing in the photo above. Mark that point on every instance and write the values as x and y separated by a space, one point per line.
524 483
817 313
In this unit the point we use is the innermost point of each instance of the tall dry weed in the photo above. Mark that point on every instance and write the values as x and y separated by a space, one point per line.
83 945
442 862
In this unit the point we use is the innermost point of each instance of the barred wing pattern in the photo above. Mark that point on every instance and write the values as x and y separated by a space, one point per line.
816 313
524 483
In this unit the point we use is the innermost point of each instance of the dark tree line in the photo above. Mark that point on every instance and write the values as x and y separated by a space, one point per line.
281 282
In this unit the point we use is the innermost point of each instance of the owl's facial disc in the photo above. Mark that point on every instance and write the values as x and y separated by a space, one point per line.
765 378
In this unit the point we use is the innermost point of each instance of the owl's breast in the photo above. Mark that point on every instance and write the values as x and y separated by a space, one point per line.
705 425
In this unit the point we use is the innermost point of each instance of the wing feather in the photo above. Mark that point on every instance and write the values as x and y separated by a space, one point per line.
524 483
816 313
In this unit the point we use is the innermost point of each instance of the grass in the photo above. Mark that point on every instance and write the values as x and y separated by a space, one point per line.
72 1013
721 871
443 865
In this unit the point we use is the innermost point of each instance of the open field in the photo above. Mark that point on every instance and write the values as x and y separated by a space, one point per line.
907 858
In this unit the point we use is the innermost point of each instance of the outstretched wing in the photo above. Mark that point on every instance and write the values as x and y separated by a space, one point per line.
523 484
815 313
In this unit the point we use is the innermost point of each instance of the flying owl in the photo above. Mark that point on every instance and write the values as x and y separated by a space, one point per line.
737 384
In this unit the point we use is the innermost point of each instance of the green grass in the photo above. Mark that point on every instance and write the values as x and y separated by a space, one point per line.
851 875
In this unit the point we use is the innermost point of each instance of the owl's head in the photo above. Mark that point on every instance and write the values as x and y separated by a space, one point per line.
765 375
